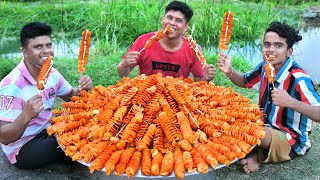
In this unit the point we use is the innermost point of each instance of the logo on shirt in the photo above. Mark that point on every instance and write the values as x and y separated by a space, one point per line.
52 93
165 66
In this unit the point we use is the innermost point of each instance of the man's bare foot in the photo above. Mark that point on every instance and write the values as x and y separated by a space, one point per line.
250 163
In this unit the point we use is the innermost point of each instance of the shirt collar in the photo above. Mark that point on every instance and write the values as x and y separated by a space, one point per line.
25 73
284 71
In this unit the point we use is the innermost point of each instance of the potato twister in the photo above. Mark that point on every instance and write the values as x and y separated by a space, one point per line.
111 163
124 160
196 51
168 124
179 169
158 140
226 30
270 72
146 162
147 138
167 164
269 68
129 133
159 35
207 154
44 73
100 161
188 162
84 51
185 128
133 164
157 158
199 162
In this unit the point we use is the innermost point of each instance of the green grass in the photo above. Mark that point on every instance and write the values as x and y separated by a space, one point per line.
117 23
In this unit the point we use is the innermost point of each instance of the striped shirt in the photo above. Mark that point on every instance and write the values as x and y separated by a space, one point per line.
15 90
299 85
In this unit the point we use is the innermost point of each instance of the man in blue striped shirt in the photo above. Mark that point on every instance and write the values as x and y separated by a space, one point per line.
288 126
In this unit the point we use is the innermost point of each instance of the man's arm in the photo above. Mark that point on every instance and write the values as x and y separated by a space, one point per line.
85 83
237 78
283 99
225 65
124 67
11 132
312 112
210 73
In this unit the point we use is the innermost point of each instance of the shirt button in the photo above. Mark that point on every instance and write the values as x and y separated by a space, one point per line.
268 102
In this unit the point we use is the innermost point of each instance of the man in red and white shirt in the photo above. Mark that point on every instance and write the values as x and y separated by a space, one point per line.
171 55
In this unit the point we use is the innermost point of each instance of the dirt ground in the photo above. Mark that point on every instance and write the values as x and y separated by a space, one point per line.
53 171
62 171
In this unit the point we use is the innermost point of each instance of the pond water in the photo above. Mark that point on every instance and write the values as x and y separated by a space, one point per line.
10 48
306 52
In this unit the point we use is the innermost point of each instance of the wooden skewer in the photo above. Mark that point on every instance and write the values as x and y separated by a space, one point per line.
193 119
120 130
141 50
200 112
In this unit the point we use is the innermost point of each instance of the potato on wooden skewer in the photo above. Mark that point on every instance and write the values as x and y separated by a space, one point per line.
159 35
269 68
226 30
44 73
84 51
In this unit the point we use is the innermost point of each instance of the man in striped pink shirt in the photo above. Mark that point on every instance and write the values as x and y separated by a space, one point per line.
24 114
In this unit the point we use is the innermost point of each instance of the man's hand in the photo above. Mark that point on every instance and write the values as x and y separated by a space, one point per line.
210 72
85 83
224 63
33 107
281 98
131 58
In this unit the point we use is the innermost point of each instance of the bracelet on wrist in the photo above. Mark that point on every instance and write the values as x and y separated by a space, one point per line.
230 74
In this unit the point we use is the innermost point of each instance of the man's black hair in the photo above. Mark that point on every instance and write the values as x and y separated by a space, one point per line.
285 31
182 7
32 30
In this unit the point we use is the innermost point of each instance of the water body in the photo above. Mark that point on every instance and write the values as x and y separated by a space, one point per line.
10 48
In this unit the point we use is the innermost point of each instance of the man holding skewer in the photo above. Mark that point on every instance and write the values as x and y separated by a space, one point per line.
25 114
288 125
172 54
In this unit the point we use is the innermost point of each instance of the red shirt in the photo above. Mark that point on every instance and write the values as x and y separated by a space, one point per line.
155 59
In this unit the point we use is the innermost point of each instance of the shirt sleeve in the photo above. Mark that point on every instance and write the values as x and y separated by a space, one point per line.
306 92
64 86
11 103
253 77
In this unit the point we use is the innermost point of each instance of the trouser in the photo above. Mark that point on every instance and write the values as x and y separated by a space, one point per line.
41 150
279 151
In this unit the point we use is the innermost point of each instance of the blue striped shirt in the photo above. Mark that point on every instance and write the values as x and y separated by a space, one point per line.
299 85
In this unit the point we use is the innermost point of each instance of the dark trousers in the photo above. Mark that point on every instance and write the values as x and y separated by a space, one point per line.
41 150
